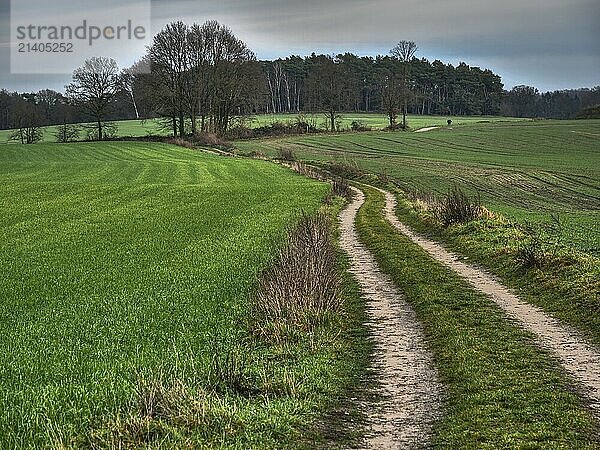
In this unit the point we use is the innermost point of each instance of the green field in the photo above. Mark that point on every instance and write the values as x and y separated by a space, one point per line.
380 121
131 261
525 171
138 128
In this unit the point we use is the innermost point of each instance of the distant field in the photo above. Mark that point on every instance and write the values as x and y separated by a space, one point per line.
138 128
524 170
129 260
380 121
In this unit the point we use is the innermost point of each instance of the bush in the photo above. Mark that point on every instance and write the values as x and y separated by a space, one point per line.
211 140
300 291
180 142
340 188
541 243
395 127
286 154
67 132
456 207
240 131
348 170
359 126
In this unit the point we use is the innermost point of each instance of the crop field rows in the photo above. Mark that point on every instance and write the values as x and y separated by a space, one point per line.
525 171
128 260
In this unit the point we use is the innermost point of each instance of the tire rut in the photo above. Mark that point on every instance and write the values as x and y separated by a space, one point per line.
411 399
580 359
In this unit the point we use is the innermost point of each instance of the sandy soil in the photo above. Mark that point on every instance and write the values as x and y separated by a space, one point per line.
579 358
409 389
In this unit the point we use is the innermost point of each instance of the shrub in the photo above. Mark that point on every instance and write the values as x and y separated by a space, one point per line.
456 207
301 289
211 140
395 127
240 131
541 243
591 112
67 132
286 154
348 170
340 188
181 142
357 125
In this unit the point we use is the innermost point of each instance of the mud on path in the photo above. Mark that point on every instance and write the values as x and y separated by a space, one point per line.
579 359
409 388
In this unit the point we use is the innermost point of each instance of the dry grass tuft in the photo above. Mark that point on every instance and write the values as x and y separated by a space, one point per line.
300 291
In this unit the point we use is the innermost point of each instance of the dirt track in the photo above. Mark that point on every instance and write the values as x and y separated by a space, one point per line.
411 393
579 358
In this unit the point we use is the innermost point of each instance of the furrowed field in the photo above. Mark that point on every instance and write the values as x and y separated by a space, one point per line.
526 171
133 263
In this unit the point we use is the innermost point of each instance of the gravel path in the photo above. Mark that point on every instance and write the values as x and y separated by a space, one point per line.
579 358
425 130
410 391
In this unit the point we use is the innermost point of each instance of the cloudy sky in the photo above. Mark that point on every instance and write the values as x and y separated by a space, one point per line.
551 44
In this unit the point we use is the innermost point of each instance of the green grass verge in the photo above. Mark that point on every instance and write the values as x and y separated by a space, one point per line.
567 286
127 270
501 390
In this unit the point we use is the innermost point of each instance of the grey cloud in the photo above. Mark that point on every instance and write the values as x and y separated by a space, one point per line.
548 43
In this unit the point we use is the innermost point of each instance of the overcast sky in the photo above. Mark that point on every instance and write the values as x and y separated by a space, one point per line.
550 44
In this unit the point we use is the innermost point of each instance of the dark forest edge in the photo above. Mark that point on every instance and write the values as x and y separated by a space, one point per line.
203 79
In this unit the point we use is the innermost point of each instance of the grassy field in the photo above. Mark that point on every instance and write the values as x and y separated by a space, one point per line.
525 171
127 270
138 128
380 121
502 391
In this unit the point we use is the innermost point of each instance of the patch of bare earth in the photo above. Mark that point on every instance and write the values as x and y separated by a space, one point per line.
580 359
408 388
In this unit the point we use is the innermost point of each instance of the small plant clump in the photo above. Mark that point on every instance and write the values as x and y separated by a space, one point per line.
301 289
286 154
340 188
541 243
359 126
345 169
457 207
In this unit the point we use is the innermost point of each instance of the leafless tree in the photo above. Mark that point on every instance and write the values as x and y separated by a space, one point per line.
404 52
26 119
327 88
170 59
94 87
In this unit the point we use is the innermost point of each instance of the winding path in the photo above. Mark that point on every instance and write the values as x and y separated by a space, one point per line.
577 357
411 400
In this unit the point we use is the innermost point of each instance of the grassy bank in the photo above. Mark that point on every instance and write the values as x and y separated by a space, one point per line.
128 271
502 391
566 284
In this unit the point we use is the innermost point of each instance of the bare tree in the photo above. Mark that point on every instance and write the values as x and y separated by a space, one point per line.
67 132
170 59
327 88
94 87
26 119
224 74
404 52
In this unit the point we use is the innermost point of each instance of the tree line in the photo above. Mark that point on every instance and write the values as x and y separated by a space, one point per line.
202 78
